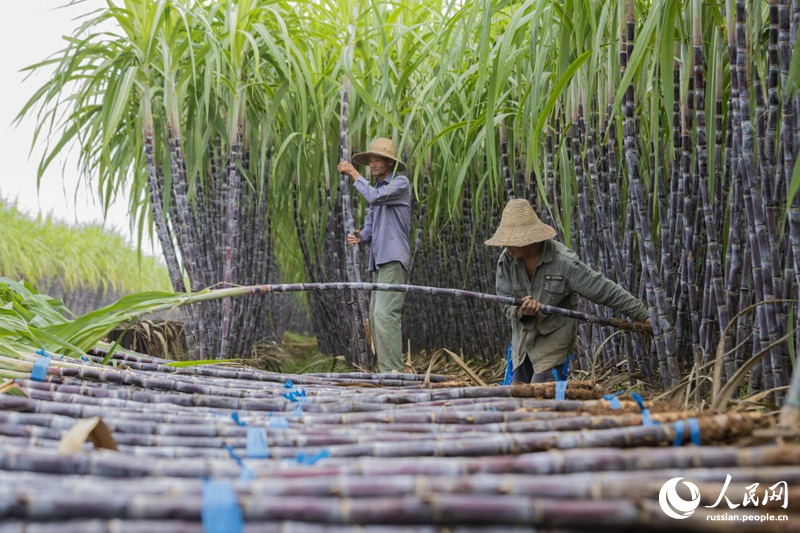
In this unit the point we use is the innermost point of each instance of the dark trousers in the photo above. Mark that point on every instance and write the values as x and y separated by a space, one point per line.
524 373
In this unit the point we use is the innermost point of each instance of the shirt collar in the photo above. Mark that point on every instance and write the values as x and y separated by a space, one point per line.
547 251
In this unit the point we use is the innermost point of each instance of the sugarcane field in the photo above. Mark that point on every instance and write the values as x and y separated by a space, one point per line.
418 266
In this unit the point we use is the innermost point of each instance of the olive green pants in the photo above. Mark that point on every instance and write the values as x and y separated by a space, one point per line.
386 317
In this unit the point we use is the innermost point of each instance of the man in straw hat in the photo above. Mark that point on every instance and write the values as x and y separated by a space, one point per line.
386 229
538 269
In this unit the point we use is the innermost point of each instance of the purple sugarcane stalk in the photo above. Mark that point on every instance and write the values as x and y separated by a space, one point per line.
638 327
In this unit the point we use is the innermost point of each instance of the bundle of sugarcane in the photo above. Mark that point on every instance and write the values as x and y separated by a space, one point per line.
318 455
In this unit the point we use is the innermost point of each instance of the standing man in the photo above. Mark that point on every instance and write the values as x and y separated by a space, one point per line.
386 229
537 269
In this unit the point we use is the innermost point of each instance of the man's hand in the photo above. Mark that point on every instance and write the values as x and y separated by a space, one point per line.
529 307
345 167
649 324
354 238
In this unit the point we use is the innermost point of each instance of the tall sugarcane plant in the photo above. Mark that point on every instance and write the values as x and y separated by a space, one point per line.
658 138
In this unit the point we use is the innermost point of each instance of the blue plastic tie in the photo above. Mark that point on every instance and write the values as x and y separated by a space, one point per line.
235 417
296 395
694 431
257 443
561 390
39 371
561 387
613 401
304 459
638 399
279 422
565 371
288 384
298 410
43 352
646 420
235 456
220 508
679 427
509 377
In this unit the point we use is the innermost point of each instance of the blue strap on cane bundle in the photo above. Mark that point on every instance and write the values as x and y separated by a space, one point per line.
220 511
41 366
646 420
509 377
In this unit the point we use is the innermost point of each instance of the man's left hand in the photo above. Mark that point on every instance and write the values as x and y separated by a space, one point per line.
345 167
529 307
649 324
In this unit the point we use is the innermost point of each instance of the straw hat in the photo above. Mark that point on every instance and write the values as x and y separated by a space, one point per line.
382 147
519 226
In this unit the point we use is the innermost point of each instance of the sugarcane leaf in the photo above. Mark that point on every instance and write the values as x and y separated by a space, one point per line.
732 385
791 344
793 79
119 102
93 429
639 50
555 94
12 389
794 185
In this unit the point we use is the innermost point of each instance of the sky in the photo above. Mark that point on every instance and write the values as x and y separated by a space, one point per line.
33 30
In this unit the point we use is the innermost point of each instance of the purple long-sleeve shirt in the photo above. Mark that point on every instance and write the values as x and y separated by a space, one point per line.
388 222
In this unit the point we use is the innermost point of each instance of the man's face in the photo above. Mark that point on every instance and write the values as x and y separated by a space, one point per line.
515 251
380 166
520 252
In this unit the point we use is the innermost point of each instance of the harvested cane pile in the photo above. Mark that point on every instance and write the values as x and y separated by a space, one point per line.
207 448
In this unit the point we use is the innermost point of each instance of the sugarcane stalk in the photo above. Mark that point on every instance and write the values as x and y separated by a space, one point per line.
757 231
509 184
358 308
214 294
714 259
231 218
420 219
662 323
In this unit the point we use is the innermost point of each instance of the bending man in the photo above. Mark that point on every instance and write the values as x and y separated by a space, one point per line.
536 268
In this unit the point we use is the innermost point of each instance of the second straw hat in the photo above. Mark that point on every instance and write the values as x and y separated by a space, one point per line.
520 226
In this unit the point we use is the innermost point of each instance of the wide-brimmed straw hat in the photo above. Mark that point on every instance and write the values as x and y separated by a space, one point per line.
519 226
382 147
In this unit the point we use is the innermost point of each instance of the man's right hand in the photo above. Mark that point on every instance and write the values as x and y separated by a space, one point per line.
354 238
345 167
529 307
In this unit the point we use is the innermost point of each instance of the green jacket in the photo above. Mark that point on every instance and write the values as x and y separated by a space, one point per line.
559 280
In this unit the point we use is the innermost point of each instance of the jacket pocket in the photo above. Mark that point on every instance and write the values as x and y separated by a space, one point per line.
555 286
554 292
